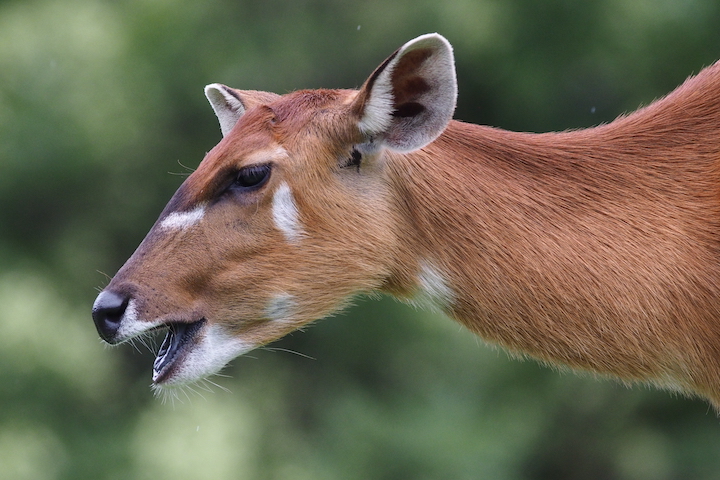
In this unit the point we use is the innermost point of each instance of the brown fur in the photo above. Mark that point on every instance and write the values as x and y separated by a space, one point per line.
597 249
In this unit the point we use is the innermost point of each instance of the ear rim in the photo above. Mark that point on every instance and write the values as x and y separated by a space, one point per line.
375 106
226 104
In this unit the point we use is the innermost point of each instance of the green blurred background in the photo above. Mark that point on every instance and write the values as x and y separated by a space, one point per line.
102 115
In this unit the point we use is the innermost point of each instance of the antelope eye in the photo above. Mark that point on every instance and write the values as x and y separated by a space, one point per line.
252 177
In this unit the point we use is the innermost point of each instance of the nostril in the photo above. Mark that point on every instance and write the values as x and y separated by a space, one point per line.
107 313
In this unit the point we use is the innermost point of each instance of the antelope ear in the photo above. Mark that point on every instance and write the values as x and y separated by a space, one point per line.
408 100
230 104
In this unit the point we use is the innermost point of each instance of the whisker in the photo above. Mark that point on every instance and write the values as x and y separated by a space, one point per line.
276 349
221 387
190 387
134 345
202 385
189 171
145 341
182 390
179 174
107 277
165 395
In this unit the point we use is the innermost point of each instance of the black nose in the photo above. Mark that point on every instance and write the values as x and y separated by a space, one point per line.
107 313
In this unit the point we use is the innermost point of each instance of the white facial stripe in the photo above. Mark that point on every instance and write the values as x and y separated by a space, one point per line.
434 292
285 213
183 220
212 352
281 307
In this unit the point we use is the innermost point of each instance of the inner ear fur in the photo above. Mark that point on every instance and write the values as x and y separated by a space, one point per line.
410 98
229 104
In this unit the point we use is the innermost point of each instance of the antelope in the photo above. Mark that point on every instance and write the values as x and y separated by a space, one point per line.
594 249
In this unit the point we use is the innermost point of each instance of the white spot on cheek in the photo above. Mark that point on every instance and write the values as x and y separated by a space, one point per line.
183 220
281 307
285 213
434 292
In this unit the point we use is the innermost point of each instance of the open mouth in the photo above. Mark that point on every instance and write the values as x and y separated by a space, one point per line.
178 340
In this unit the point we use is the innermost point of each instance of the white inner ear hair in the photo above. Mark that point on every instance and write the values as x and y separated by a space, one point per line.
378 109
227 108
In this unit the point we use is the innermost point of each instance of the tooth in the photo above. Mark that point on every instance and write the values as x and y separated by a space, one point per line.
164 349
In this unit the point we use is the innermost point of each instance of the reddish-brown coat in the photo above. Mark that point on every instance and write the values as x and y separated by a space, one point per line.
595 248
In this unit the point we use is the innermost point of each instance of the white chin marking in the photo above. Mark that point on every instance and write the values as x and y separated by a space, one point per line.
285 213
434 292
213 350
183 220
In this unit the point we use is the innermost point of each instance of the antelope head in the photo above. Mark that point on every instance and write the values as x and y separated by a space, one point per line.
287 218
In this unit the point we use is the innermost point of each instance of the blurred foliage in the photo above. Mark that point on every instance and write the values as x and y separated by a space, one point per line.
101 116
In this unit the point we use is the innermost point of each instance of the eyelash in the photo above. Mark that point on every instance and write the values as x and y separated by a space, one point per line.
252 177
